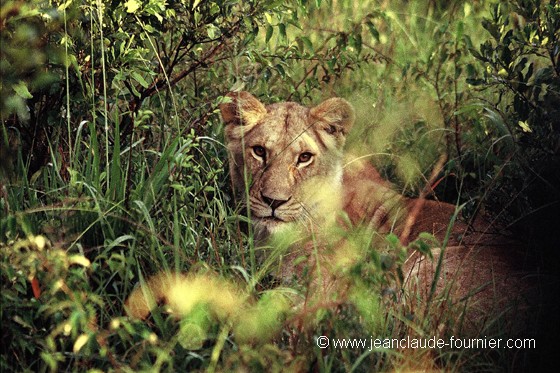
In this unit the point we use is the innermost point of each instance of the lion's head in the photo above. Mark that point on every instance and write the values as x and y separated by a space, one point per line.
286 159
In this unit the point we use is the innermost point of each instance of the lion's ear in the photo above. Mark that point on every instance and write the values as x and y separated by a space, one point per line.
244 109
336 115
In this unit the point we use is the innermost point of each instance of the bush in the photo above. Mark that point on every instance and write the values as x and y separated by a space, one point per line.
521 78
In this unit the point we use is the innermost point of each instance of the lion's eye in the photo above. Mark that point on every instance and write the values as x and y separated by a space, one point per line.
305 157
259 151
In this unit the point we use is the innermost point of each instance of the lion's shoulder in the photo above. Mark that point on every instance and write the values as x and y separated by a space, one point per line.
371 200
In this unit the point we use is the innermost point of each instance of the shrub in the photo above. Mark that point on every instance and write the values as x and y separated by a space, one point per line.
519 75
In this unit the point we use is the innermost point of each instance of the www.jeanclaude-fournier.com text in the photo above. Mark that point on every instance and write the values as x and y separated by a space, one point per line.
433 342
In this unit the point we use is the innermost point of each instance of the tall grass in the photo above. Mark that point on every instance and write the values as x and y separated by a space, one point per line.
135 181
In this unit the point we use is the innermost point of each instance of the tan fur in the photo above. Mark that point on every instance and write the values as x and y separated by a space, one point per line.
266 145
281 186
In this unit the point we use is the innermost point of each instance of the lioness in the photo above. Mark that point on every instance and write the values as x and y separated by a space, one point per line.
287 164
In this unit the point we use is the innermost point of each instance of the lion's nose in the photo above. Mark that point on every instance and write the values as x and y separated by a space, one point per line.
273 203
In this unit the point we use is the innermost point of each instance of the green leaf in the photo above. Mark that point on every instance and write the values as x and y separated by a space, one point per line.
492 28
460 31
65 5
357 42
281 70
307 43
282 30
505 55
373 30
212 31
476 54
21 90
269 32
136 76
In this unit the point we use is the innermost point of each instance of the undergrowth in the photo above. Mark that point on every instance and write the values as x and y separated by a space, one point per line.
113 169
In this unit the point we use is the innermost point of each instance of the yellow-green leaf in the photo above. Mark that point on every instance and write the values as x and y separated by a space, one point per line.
525 126
80 342
132 6
21 90
79 259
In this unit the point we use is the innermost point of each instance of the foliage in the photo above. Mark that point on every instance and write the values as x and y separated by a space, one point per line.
520 67
112 167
